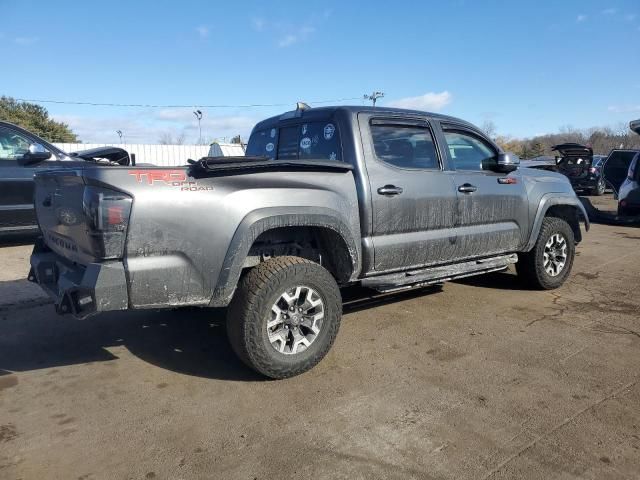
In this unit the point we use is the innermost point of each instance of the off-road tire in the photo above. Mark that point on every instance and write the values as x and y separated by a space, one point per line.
530 266
250 311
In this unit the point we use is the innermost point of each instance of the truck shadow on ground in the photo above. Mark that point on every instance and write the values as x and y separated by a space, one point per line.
188 341
506 280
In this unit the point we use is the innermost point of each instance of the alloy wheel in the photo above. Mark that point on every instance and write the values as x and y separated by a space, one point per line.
555 254
296 320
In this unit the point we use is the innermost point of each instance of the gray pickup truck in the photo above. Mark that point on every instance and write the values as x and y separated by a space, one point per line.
327 197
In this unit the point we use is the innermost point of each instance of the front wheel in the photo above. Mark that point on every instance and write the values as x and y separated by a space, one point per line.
284 316
549 263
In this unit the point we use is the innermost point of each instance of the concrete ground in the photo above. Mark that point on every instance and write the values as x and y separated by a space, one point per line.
479 380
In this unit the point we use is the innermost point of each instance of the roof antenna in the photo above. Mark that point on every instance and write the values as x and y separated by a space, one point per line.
301 106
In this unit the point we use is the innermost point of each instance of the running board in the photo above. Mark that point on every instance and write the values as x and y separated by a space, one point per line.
428 276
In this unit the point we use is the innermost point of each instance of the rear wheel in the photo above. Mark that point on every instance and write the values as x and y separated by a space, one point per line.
549 263
284 316
599 188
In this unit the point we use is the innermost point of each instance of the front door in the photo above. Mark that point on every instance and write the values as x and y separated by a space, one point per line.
412 198
16 182
492 207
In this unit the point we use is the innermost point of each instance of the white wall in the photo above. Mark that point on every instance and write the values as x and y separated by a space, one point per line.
164 155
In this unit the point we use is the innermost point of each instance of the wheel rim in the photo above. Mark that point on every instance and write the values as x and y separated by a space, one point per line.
296 320
555 254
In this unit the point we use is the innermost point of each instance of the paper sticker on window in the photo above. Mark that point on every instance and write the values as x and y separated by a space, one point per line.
269 147
305 143
273 133
329 130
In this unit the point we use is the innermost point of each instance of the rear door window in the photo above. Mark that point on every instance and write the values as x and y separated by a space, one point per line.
404 146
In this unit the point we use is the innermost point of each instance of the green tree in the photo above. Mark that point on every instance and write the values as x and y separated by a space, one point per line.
35 118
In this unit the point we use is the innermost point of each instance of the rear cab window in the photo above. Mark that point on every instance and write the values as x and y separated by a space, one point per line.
314 140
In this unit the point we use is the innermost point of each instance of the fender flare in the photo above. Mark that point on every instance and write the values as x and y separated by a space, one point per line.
261 220
549 200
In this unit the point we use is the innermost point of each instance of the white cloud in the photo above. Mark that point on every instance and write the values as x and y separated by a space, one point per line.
630 17
258 23
624 108
429 101
581 18
610 11
299 35
203 32
287 40
25 41
287 34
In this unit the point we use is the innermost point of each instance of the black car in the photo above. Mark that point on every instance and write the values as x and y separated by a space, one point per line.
582 168
21 155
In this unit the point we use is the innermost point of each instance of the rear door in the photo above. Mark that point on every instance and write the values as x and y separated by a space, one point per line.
413 199
492 207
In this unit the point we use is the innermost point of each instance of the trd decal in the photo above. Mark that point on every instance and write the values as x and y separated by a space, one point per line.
167 176
173 178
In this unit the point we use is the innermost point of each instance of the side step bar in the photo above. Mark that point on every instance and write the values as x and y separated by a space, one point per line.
427 276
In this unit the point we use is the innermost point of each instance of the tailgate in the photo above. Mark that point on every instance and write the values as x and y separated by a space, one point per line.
80 222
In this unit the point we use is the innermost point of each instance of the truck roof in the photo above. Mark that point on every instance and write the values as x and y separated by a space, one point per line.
328 111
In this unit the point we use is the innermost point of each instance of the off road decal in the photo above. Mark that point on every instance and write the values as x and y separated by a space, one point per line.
173 178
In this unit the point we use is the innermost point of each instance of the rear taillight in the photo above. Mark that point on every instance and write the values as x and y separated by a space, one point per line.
107 213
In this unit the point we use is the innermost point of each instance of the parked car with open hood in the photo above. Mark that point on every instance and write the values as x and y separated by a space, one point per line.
22 154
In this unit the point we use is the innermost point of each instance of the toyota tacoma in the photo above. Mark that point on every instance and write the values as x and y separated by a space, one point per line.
327 197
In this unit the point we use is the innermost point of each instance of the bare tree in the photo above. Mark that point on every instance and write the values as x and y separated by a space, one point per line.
168 139
489 128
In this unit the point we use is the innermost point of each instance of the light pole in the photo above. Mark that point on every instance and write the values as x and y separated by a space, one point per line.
373 97
119 132
198 115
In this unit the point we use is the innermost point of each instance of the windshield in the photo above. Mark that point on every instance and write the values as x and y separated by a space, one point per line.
303 141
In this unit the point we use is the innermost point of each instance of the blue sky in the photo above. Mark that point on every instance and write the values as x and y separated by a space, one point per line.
530 67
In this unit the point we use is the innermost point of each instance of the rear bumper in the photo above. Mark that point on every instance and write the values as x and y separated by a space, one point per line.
584 183
79 290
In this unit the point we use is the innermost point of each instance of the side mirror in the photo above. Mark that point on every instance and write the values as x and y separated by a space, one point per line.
506 162
36 153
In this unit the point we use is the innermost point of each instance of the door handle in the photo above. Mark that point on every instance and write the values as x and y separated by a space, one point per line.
390 190
467 188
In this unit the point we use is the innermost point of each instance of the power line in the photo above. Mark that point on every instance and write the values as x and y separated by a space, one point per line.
140 105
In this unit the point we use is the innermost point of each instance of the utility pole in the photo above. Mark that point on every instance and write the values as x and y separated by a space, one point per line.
120 134
198 115
373 97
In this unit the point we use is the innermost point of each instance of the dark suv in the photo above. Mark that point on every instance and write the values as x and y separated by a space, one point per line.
579 164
